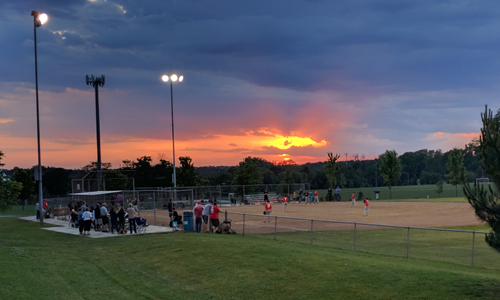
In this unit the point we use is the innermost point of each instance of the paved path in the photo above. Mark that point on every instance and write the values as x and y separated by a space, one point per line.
63 227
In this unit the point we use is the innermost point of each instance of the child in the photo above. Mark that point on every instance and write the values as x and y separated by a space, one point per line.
316 197
267 211
285 203
367 205
353 197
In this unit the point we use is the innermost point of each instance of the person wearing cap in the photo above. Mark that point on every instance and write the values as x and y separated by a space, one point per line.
198 215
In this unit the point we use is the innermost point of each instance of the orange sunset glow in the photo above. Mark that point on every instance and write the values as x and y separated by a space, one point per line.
213 150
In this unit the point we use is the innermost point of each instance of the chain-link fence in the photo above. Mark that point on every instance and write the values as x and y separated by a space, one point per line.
456 246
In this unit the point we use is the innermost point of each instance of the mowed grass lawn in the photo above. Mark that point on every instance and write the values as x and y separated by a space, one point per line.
39 264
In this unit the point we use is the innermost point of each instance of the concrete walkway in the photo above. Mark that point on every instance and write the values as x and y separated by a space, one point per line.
64 227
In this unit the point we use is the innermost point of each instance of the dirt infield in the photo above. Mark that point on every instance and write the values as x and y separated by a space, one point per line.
417 214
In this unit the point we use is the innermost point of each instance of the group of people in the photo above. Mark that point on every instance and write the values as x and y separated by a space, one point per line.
45 209
366 203
306 196
101 218
207 215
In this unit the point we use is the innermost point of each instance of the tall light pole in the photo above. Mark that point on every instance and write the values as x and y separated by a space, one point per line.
172 78
96 83
38 20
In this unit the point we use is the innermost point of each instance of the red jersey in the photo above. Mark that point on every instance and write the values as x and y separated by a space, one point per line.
268 206
353 197
316 193
198 211
45 205
367 202
285 199
214 212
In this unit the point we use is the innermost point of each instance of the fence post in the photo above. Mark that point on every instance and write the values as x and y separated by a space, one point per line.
473 239
243 224
408 243
275 226
154 208
354 245
225 216
311 231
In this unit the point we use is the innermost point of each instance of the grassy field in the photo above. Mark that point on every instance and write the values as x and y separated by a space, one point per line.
405 193
19 210
448 246
38 264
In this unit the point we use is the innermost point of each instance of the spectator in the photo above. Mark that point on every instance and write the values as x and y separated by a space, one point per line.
105 218
206 215
198 215
214 217
121 219
131 218
45 205
97 218
84 206
37 209
114 220
87 220
81 224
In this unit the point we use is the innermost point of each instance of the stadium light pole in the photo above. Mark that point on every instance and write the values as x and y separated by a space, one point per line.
38 20
172 78
96 82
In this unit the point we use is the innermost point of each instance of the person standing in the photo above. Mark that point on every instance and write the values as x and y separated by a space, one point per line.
266 197
206 215
301 197
329 196
121 219
267 211
294 196
37 209
367 207
285 203
337 194
81 223
214 217
131 218
87 221
353 197
105 218
316 197
306 195
311 201
114 220
198 215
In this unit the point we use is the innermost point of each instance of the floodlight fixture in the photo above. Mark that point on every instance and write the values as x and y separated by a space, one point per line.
40 19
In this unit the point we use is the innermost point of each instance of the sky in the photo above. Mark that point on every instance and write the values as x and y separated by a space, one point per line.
280 79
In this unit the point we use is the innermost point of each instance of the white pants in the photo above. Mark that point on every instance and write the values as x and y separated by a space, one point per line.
316 198
268 215
366 209
353 203
285 207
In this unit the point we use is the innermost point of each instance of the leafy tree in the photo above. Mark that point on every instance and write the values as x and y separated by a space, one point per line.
247 172
456 169
486 200
343 182
186 174
56 181
331 168
390 168
25 176
439 187
9 190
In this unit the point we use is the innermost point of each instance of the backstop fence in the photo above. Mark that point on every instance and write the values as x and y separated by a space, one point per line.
455 246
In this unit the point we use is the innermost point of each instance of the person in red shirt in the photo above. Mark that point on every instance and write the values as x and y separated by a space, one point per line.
214 217
367 205
316 197
198 212
353 197
267 211
285 203
45 205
